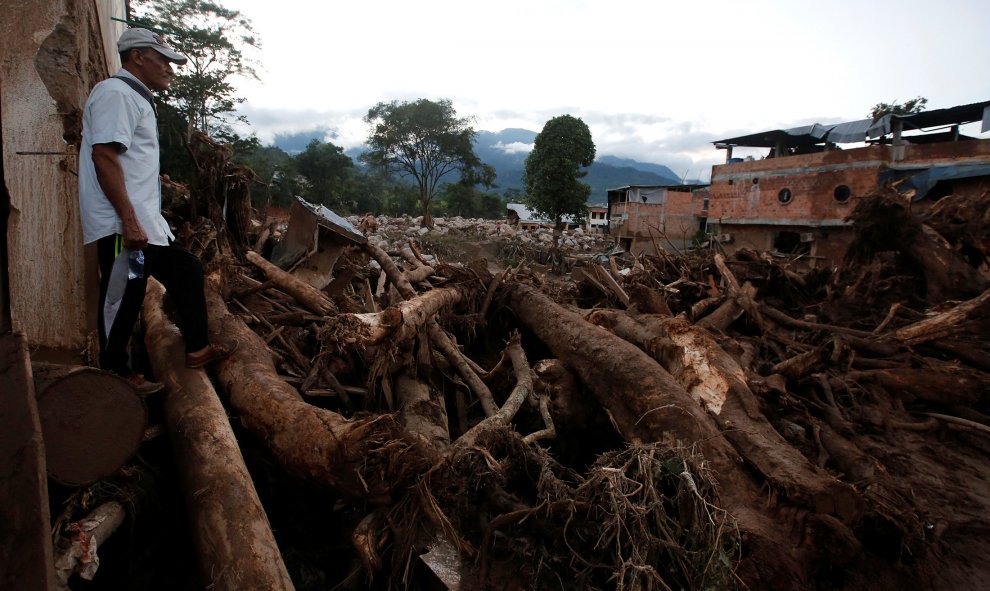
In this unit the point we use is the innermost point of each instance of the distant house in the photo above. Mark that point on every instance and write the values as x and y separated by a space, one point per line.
797 198
597 219
642 218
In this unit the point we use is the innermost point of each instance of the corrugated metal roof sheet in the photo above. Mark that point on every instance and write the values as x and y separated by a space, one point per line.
858 131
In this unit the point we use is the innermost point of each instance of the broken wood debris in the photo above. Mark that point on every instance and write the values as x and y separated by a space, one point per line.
651 422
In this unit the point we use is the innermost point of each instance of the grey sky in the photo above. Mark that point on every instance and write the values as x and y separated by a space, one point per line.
655 81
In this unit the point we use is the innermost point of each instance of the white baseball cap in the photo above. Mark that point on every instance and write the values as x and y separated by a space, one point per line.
137 38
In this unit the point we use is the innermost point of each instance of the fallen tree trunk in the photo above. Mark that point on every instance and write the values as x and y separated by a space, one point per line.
302 292
716 381
354 458
235 544
948 386
944 324
423 414
651 406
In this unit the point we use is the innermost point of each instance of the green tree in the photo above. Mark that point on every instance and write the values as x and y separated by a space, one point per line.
467 201
554 169
426 141
915 105
324 166
214 38
276 169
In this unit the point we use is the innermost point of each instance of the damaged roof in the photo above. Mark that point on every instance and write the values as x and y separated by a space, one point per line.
858 131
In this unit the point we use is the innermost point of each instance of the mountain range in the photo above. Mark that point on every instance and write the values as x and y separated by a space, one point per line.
506 152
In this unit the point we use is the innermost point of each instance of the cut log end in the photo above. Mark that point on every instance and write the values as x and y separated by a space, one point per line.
92 422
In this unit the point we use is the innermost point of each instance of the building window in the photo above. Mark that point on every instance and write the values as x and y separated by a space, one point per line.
756 181
842 193
785 196
790 243
730 181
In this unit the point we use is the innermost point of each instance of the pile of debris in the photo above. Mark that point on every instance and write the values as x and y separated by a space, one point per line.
653 422
389 233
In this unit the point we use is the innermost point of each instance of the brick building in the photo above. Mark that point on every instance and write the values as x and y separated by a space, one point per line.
644 217
796 199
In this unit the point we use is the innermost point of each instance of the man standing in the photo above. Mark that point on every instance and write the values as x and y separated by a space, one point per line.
120 201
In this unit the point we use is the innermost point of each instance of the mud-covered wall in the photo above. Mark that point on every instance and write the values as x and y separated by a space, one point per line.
51 53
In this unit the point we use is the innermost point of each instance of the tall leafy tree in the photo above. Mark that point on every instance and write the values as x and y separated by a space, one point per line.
467 201
325 167
554 168
214 38
915 105
425 141
275 169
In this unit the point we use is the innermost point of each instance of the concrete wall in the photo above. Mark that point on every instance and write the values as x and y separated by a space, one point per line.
51 54
597 218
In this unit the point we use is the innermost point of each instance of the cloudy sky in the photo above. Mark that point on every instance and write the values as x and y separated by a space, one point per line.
656 81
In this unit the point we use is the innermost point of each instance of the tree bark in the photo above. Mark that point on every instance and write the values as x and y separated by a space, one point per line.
231 532
647 404
302 292
944 324
423 414
351 457
717 381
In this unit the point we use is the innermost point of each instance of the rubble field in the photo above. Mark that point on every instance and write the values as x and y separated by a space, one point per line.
467 407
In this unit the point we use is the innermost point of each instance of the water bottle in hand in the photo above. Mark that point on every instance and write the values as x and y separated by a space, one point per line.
135 265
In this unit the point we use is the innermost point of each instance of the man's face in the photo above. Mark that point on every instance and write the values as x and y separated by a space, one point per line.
154 69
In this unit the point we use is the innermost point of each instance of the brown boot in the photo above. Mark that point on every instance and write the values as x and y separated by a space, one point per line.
143 386
210 353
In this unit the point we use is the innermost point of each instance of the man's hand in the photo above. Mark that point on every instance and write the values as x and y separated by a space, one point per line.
110 175
134 236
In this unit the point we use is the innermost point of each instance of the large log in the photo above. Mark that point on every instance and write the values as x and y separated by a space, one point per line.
945 385
231 532
417 312
423 414
93 421
717 382
304 293
351 457
647 404
944 324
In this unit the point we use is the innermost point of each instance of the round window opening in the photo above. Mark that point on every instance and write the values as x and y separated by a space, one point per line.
842 193
785 196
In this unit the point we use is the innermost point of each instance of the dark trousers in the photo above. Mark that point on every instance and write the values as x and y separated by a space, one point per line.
182 275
